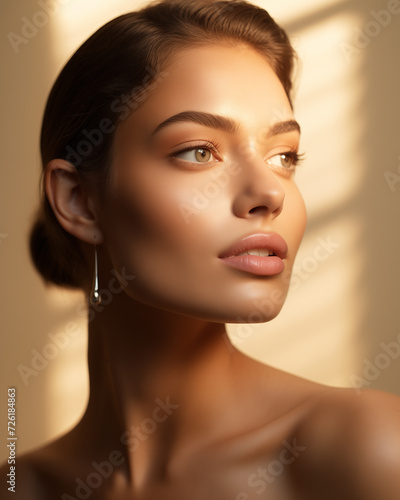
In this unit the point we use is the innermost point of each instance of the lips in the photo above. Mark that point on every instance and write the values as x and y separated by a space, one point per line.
262 254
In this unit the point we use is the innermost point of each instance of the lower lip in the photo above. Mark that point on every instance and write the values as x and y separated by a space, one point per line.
261 266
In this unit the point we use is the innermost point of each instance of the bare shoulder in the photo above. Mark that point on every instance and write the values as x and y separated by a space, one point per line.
353 446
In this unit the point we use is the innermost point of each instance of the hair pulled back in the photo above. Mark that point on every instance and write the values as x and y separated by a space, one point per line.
108 77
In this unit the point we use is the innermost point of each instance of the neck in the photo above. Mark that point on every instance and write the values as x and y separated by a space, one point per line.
158 380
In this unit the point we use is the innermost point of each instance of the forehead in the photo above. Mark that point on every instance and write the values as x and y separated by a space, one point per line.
237 82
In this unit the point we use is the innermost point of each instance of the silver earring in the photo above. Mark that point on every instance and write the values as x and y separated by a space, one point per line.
95 297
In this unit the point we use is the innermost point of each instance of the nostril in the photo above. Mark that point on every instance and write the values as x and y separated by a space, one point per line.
261 209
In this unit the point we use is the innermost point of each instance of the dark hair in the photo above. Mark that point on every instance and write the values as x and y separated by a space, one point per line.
109 76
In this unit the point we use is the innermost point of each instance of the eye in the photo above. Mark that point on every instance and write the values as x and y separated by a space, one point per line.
287 161
202 153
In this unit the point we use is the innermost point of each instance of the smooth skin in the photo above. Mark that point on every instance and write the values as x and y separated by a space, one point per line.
176 411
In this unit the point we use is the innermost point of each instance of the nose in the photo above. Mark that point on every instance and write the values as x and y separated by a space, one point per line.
258 193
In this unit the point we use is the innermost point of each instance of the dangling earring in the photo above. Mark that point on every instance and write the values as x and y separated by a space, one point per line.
95 297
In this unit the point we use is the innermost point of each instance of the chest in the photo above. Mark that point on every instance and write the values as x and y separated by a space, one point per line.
232 473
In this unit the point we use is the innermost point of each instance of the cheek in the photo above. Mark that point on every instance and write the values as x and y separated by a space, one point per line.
294 219
155 230
144 220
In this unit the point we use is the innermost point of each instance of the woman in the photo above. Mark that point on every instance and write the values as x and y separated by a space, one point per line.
169 146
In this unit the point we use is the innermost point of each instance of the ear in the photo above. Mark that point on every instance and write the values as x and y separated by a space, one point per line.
72 206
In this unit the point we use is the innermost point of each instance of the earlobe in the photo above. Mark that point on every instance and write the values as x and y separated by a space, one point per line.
71 204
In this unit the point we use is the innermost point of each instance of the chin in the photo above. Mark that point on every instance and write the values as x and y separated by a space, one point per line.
262 312
256 310
233 301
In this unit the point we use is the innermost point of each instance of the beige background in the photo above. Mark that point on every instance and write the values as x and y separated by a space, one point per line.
343 309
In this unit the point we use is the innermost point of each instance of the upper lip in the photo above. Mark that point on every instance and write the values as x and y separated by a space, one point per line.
266 241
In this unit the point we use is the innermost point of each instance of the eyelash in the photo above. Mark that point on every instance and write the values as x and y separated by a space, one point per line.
208 145
297 158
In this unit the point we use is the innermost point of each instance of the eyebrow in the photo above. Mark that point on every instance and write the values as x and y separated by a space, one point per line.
284 127
223 123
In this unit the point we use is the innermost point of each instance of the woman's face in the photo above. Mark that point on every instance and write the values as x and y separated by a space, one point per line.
187 190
